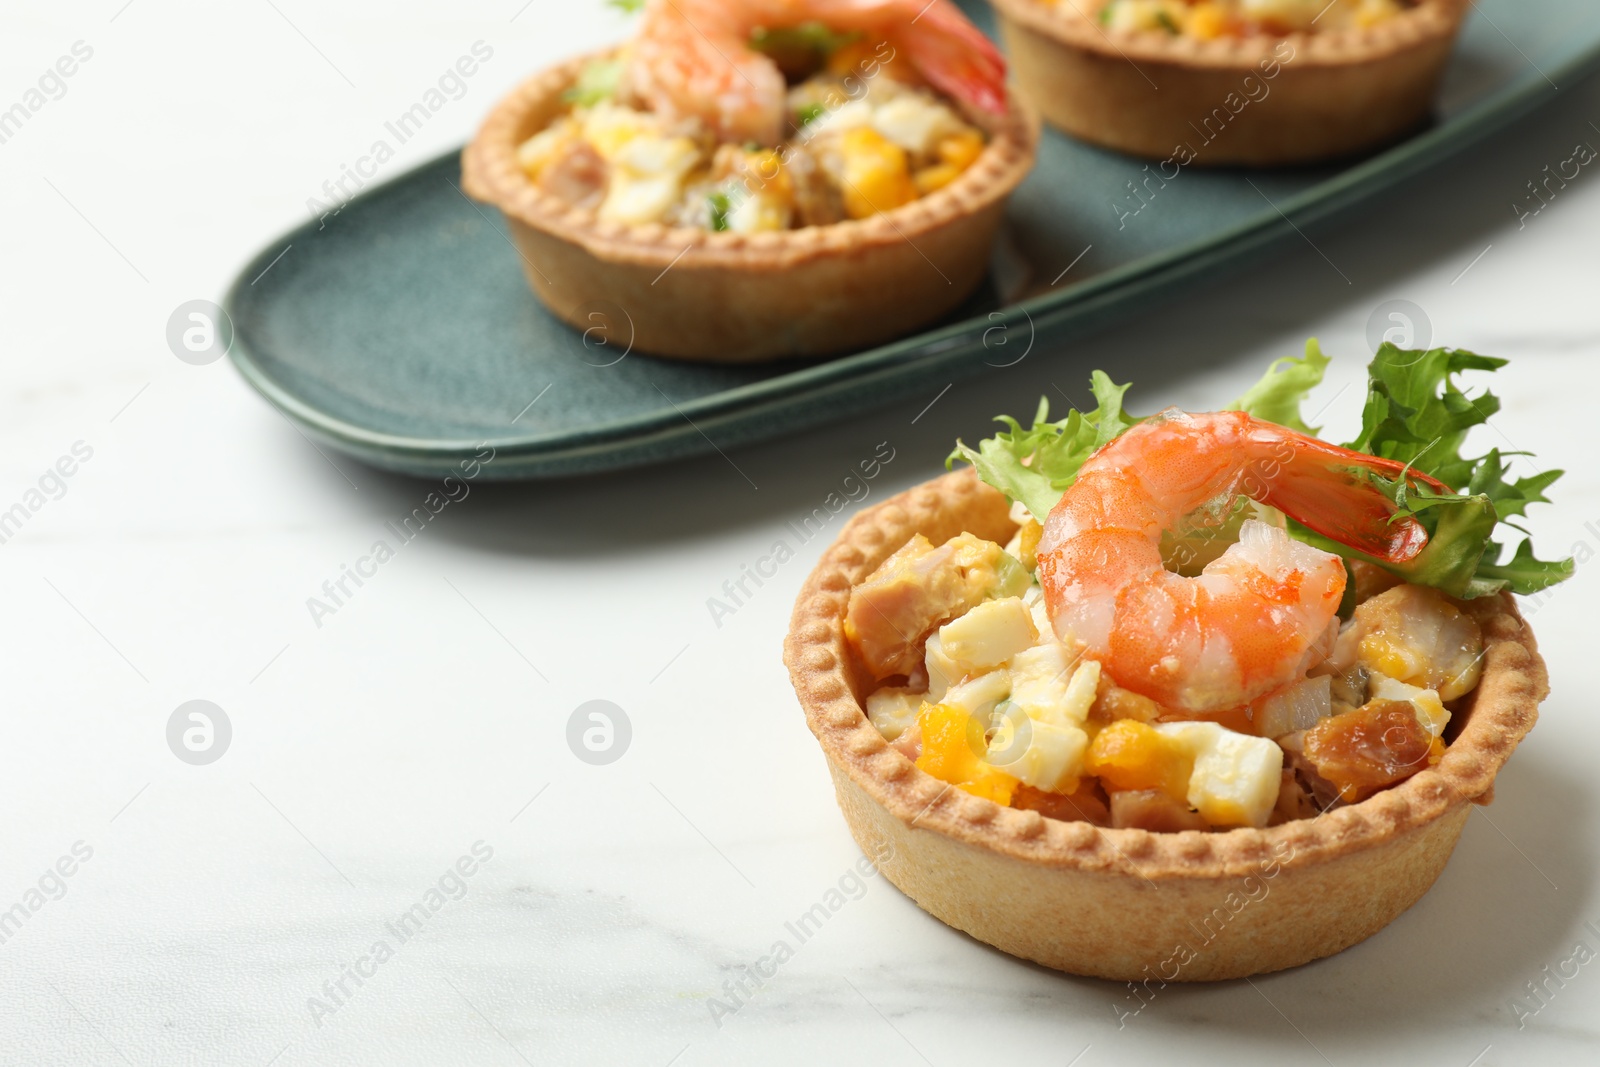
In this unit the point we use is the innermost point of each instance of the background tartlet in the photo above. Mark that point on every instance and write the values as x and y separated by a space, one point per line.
1310 97
737 298
1132 904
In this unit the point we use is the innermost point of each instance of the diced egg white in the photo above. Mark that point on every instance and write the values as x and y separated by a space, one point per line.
846 117
942 670
893 711
610 127
650 154
647 178
1009 730
914 123
1041 615
1039 679
1052 757
640 200
1430 710
537 151
989 634
758 213
978 696
1081 690
1236 776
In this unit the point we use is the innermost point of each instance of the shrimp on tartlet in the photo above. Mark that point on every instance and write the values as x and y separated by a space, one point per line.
1103 688
752 180
1261 613
763 115
700 58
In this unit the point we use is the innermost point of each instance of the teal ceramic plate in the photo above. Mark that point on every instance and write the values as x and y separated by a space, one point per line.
401 331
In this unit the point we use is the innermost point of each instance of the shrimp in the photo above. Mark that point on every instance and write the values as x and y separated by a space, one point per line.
693 58
1256 618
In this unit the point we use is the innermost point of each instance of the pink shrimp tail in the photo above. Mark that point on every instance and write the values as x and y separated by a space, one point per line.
956 57
1319 487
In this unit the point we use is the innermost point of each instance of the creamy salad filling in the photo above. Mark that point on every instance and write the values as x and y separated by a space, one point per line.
1209 19
995 702
866 135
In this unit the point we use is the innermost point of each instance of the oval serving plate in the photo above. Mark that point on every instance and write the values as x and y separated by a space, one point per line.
400 331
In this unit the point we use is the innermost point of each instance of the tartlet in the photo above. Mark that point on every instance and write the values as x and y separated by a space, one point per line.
730 297
1253 101
1132 904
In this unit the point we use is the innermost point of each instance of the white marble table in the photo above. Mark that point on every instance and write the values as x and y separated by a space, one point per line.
208 905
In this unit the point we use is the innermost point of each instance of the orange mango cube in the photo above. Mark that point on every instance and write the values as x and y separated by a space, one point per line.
961 150
877 175
1130 754
951 742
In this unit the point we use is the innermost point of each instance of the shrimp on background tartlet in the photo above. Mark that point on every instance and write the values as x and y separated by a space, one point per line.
818 175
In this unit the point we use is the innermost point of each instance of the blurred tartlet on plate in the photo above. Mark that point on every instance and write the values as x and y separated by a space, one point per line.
756 180
1232 82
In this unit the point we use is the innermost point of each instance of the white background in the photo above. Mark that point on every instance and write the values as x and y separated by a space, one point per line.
370 753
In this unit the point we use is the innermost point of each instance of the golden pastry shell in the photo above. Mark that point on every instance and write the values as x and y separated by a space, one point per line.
1122 903
729 297
1343 91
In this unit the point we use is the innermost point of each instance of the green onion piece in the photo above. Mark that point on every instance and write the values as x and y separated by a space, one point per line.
720 209
808 36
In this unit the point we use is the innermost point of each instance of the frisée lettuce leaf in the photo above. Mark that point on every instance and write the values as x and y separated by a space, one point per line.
1286 385
1415 413
1035 466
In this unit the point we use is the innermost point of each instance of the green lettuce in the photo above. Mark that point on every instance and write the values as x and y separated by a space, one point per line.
1415 414
800 50
598 80
1036 465
1286 385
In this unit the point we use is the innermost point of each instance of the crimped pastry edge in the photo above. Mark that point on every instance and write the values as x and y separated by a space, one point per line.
1503 710
490 173
1073 22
